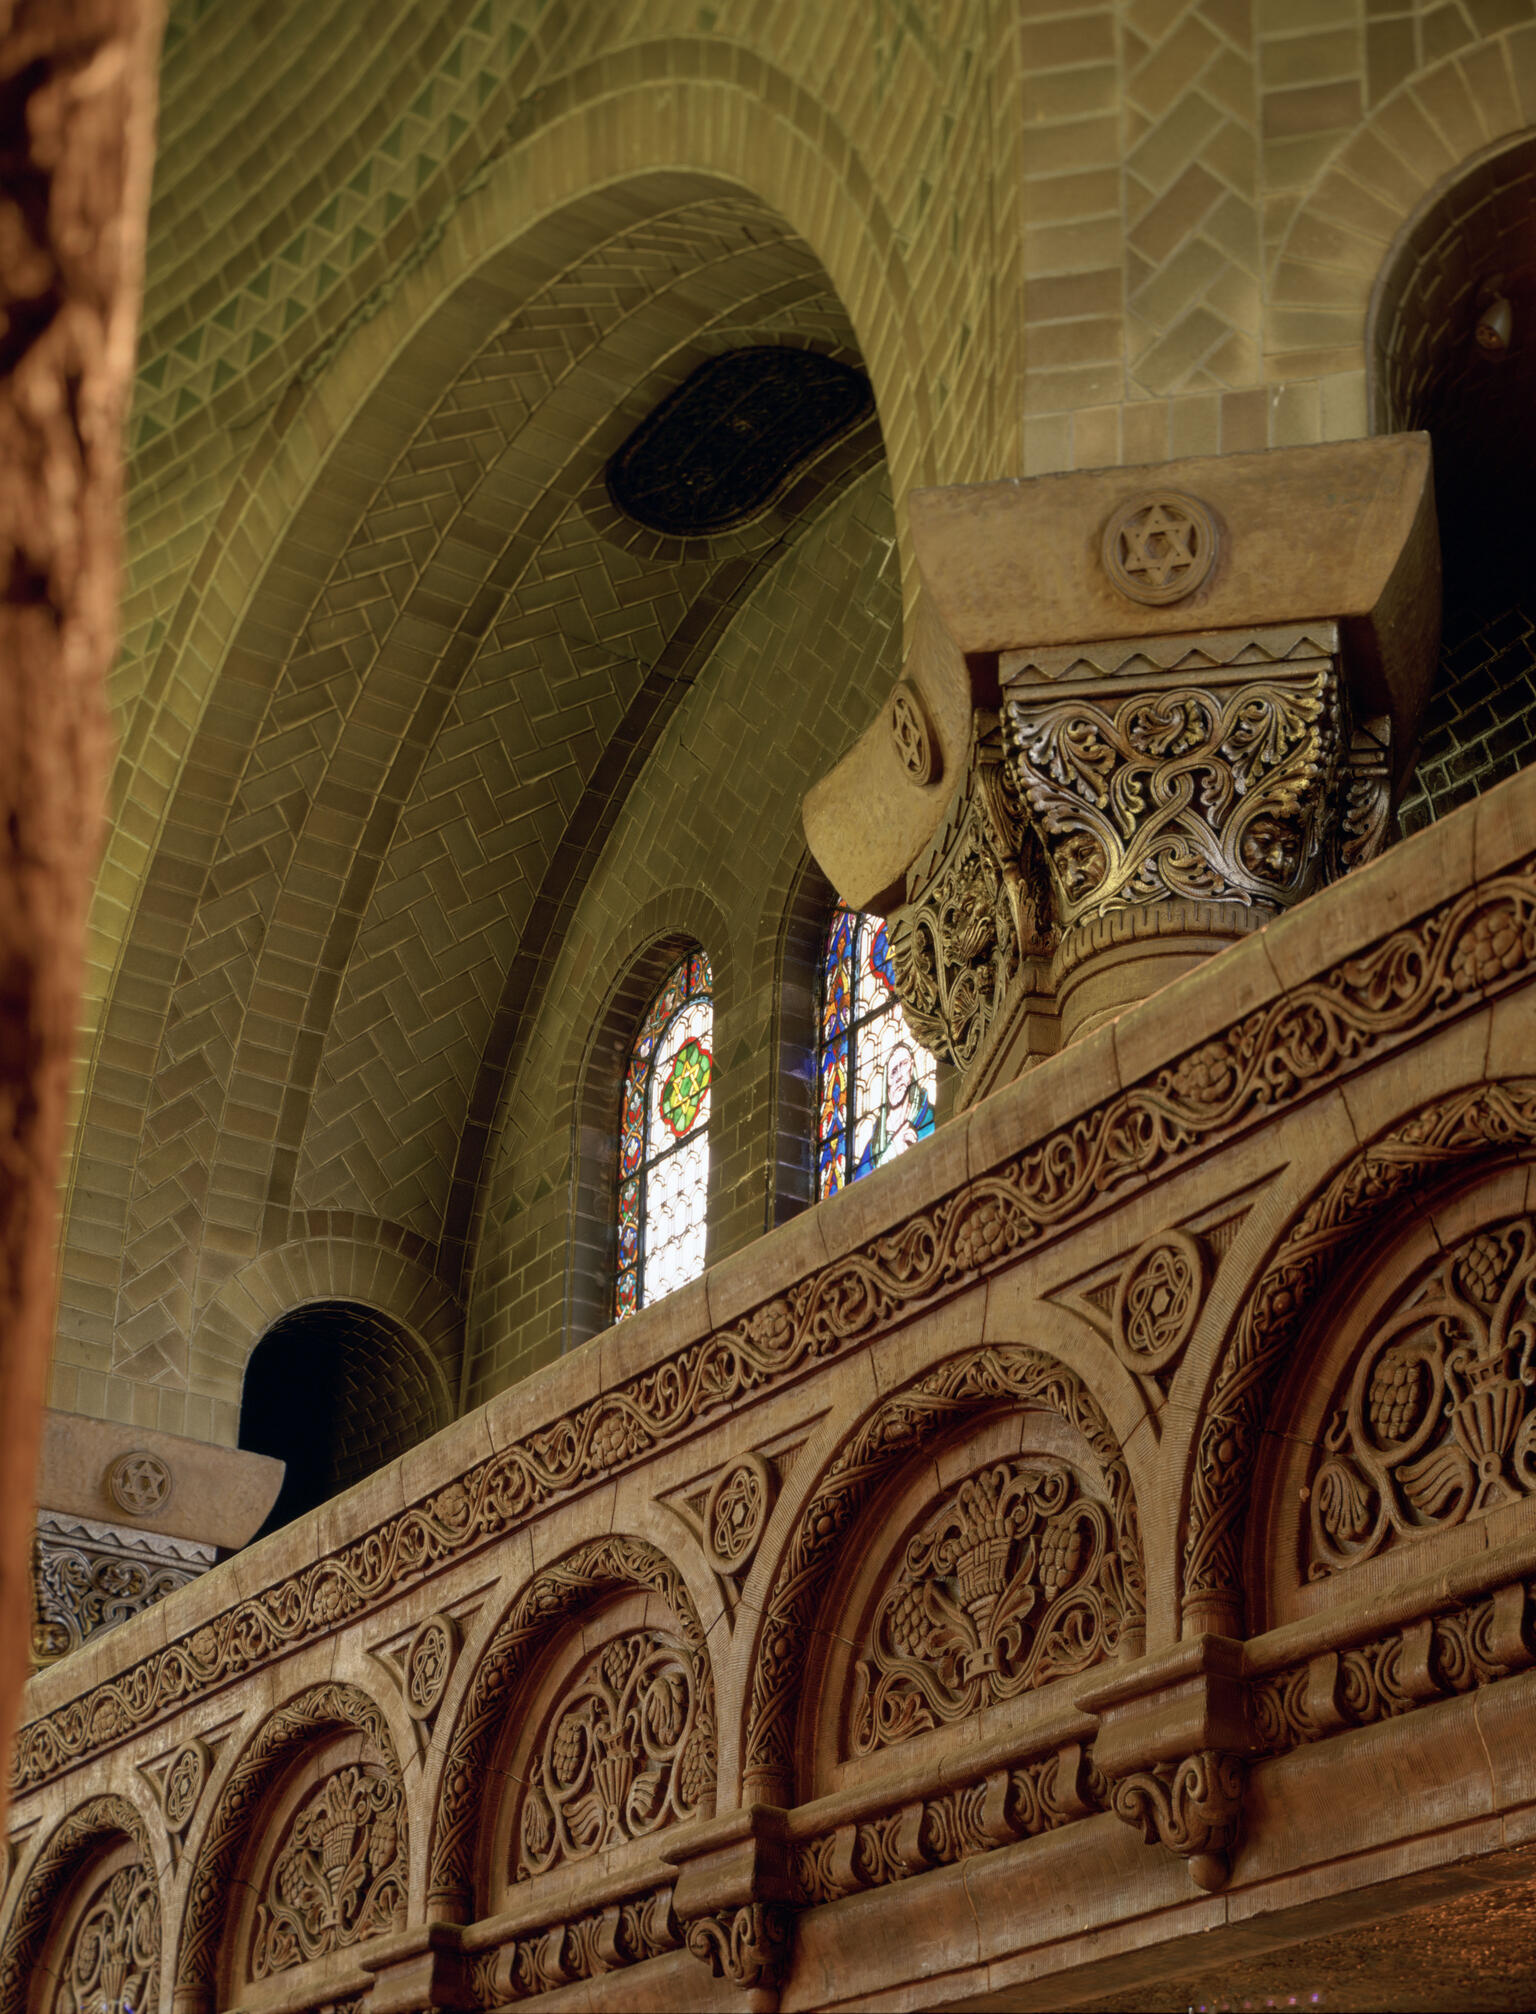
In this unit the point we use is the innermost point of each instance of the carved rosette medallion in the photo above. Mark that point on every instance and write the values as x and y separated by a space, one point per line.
626 1753
113 1962
1159 546
1181 771
428 1666
139 1483
183 1787
1012 1582
1438 1423
1158 1300
977 908
736 1511
340 1875
912 735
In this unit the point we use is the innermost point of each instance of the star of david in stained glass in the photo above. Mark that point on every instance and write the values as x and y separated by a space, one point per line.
875 1084
1158 545
664 1140
686 1088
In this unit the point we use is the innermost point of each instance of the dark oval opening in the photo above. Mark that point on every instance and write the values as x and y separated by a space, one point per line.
721 447
335 1391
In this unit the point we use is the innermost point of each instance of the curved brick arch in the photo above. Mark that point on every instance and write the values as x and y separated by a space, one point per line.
250 1099
1403 1165
556 1595
998 1377
84 1832
347 1262
1422 135
278 1742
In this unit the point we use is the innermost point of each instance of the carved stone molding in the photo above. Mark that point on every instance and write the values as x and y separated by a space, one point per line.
626 1753
559 1592
1194 1808
1178 771
1013 1581
89 1576
1438 1423
581 1947
323 1709
1411 980
977 912
969 1386
751 1945
1006 1805
92 1830
1382 1176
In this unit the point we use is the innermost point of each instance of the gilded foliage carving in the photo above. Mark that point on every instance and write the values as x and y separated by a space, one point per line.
321 1710
1497 1117
1012 1582
987 1378
340 1874
625 1754
977 905
90 1830
1182 791
1439 1423
1280 1051
560 1591
582 1947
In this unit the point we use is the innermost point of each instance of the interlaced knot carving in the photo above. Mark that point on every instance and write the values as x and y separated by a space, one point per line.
1439 1423
1014 1581
625 1754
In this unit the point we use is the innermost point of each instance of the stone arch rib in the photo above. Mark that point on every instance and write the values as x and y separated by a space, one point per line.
95 1823
1402 1164
552 1597
995 1377
320 1710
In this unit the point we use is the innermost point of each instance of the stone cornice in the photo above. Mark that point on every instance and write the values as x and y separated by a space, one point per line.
1297 1043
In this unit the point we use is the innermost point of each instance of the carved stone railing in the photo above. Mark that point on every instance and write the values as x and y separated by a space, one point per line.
803 1641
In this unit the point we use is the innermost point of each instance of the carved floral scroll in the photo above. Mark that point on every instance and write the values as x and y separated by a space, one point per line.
340 1874
110 1938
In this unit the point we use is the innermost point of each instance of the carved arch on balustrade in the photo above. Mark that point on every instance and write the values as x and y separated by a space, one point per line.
557 1595
85 1835
995 1378
1403 1166
328 1709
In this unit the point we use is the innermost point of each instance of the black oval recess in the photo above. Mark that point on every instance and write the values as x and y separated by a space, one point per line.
723 445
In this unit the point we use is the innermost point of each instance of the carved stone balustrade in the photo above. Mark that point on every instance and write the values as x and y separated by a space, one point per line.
1145 712
1128 1496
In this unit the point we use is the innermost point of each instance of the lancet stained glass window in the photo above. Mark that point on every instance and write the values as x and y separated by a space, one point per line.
664 1140
875 1085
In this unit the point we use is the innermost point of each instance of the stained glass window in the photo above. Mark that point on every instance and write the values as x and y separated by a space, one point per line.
664 1140
875 1085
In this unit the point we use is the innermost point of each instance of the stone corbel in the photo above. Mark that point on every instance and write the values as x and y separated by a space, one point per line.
1173 1743
1210 676
735 1898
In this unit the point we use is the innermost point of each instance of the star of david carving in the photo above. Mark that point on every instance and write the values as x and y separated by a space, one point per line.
1158 547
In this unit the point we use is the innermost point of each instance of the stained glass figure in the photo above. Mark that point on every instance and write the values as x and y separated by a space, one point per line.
875 1085
664 1140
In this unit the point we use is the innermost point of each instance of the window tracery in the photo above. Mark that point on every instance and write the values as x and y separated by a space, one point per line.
664 1140
876 1086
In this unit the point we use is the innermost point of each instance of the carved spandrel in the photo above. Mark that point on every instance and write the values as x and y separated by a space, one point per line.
977 911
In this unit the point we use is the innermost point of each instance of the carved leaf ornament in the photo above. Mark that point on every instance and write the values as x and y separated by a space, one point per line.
113 1963
118 1935
340 1876
1440 1422
1014 1581
625 1755
1413 977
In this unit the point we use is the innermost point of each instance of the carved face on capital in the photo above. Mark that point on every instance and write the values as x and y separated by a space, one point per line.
1079 863
1271 849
